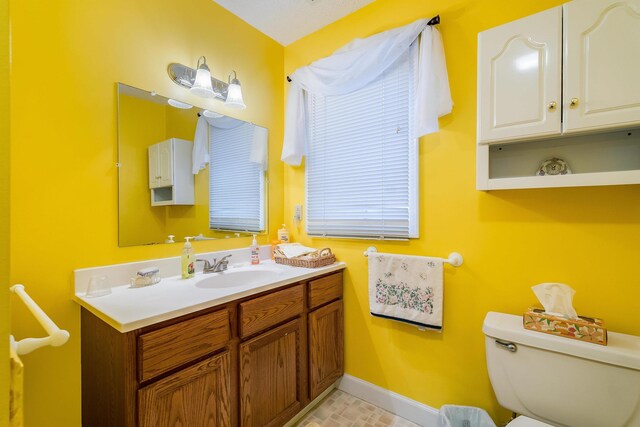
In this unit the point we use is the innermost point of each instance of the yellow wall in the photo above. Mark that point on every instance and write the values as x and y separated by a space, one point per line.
67 57
510 240
4 212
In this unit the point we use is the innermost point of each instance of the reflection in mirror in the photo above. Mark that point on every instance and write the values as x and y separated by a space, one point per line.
186 171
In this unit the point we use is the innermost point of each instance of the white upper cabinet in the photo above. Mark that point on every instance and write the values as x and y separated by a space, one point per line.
519 78
601 64
559 98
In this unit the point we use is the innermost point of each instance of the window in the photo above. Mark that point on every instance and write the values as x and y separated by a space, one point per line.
361 173
236 185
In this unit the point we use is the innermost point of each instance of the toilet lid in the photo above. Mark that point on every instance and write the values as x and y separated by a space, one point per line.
523 421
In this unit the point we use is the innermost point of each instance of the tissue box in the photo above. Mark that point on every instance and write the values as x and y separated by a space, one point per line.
584 329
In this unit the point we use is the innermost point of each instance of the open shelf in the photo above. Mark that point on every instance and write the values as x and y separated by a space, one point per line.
611 158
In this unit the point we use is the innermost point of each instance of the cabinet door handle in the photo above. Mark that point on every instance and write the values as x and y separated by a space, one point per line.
574 102
552 105
158 177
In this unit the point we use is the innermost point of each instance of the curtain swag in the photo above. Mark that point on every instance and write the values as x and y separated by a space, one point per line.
357 64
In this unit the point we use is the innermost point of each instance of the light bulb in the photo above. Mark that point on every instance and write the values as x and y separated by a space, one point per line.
234 96
202 84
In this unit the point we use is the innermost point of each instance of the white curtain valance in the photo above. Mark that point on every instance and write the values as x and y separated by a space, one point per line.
357 64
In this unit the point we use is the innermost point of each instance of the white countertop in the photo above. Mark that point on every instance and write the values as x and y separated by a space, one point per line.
127 308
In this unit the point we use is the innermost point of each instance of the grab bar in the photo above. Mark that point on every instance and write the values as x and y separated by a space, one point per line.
454 259
57 336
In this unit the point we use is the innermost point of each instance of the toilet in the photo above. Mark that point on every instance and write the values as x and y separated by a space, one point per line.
555 381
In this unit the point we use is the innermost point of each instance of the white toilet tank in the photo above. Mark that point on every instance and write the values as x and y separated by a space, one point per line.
561 381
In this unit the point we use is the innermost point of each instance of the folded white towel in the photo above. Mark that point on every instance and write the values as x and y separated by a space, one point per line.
406 288
291 250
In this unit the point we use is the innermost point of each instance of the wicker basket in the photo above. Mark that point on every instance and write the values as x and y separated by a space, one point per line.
319 258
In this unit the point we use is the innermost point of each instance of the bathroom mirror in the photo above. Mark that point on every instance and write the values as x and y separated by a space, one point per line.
158 193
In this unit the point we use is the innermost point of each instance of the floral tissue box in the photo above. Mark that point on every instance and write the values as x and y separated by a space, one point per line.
584 329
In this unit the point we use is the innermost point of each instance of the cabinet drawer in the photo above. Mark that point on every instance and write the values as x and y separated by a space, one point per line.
167 348
263 312
325 289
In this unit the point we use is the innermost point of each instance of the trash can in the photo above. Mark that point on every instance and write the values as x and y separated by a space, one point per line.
464 416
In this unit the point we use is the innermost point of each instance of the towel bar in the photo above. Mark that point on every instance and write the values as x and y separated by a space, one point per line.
454 259
57 336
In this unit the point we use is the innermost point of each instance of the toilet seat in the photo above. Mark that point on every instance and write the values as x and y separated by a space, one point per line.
523 421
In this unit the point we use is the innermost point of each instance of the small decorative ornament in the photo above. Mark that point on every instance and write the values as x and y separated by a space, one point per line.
554 166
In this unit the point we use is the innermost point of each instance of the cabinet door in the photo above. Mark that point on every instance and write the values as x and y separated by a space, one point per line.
165 163
270 388
326 347
601 64
196 396
519 85
154 169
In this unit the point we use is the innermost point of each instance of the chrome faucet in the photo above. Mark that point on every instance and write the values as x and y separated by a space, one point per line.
216 266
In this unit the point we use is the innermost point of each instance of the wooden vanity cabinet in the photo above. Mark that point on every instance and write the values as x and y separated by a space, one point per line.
256 361
174 373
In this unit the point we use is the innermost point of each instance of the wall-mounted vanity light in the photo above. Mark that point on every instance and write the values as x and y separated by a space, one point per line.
201 83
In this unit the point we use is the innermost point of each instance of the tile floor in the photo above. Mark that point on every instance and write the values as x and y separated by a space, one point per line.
340 409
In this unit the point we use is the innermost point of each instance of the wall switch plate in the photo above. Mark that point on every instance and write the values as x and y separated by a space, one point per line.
297 215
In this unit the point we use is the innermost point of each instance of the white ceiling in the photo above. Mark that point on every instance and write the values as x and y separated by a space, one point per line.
289 20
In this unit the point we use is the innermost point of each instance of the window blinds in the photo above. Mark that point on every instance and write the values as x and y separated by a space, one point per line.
236 185
361 174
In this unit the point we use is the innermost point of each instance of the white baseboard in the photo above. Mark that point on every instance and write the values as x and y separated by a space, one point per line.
416 412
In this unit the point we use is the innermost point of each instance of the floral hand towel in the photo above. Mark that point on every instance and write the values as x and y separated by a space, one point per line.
406 288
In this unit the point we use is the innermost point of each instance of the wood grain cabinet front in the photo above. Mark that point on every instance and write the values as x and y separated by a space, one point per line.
270 380
326 347
175 345
266 311
195 396
256 361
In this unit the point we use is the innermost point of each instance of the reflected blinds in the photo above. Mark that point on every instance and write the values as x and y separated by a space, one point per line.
236 185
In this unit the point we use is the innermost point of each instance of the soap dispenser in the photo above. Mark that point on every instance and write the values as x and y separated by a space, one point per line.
188 265
255 252
283 234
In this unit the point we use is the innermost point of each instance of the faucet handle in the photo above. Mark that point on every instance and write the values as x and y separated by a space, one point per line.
224 263
207 264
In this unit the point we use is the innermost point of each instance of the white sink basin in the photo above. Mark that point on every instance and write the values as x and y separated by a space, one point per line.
245 276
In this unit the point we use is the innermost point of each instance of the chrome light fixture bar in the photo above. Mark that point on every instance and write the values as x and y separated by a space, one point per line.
186 77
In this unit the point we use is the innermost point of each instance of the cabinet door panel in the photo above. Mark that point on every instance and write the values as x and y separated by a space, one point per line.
270 377
326 347
154 167
165 163
601 64
195 396
519 70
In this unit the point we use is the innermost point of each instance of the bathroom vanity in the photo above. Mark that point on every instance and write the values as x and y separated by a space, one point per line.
253 359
